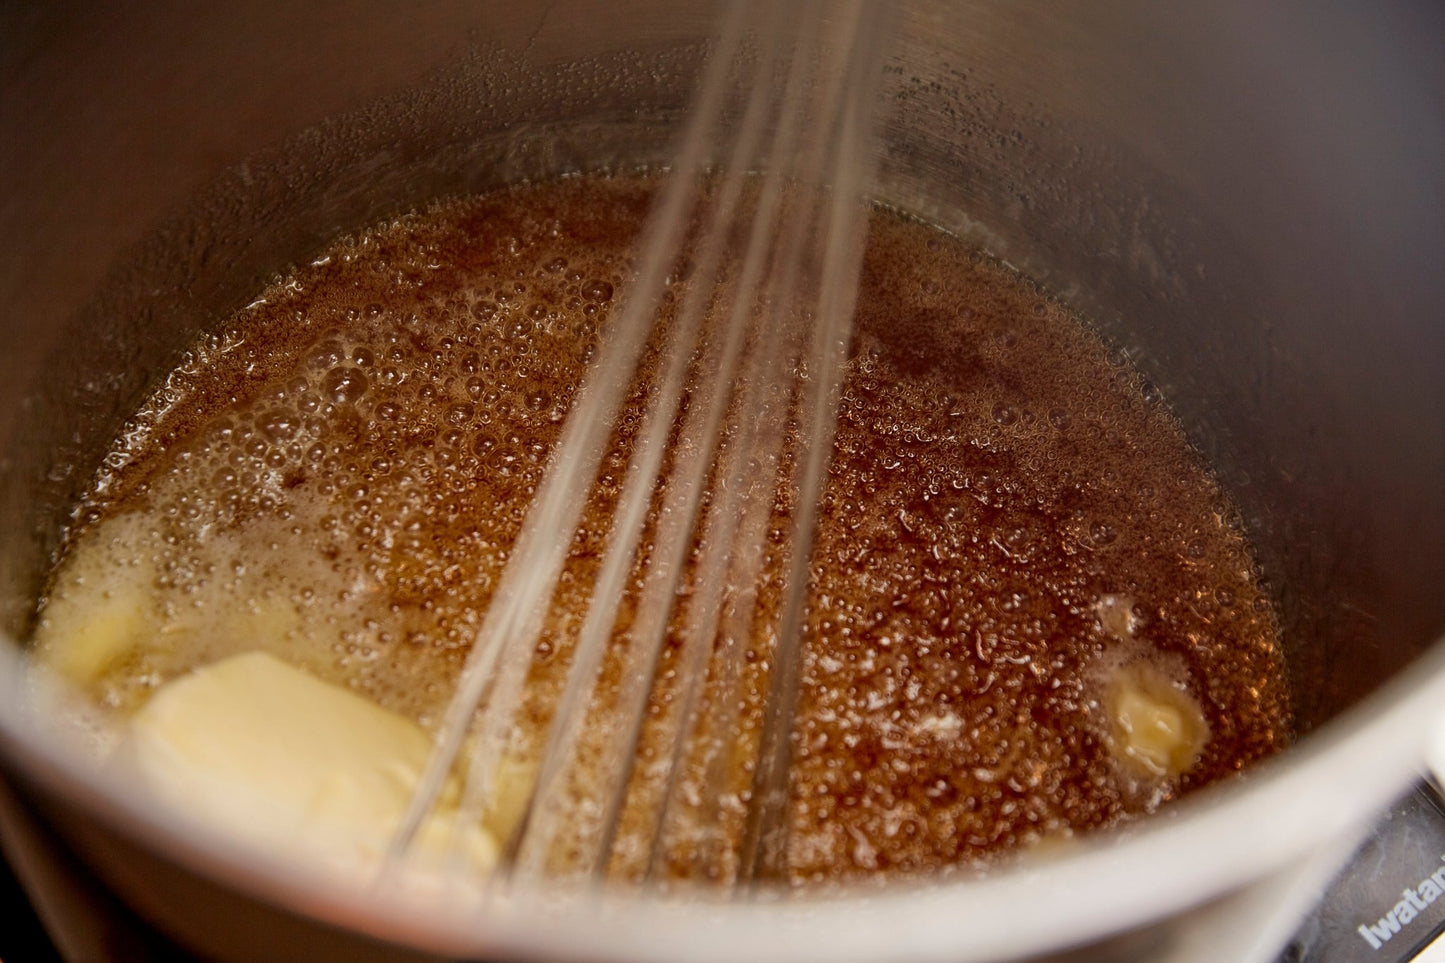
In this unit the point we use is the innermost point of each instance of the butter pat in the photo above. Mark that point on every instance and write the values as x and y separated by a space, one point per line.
274 755
1157 729
82 651
101 608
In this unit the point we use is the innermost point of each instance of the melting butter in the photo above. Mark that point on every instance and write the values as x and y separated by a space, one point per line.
270 753
1156 728
116 611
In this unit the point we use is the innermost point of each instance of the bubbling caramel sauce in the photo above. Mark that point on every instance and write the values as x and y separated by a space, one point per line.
1031 614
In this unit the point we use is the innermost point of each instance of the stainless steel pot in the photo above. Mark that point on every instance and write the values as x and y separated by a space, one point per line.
1250 202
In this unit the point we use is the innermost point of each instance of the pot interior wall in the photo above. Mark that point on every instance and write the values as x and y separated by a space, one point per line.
1194 182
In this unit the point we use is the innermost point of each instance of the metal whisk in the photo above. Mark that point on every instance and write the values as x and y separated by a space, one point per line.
739 407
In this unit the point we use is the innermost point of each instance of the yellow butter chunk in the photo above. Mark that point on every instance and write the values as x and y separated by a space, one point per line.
81 649
101 608
1156 727
271 753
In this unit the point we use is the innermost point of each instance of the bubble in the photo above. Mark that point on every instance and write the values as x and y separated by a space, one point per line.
1060 418
327 355
1005 414
278 425
1102 533
345 386
597 290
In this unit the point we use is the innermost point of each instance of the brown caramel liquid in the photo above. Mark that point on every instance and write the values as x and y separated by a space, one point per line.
338 473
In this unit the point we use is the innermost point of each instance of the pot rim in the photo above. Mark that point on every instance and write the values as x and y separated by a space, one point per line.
1314 796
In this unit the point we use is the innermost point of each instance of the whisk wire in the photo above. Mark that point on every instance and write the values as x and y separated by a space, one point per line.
763 849
766 370
547 806
515 615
